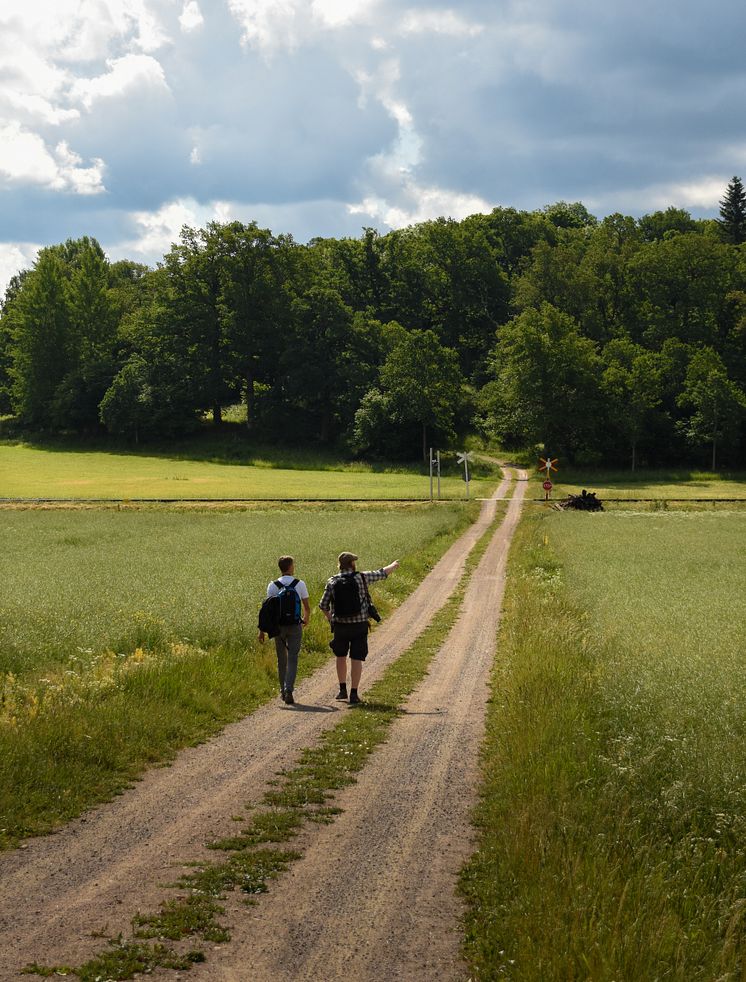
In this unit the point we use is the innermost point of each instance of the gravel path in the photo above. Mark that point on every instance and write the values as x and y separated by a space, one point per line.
58 891
374 896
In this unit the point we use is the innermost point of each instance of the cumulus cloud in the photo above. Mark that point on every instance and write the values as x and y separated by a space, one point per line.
123 75
26 160
191 17
319 116
438 22
15 257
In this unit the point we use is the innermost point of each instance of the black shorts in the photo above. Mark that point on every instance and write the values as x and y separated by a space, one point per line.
350 639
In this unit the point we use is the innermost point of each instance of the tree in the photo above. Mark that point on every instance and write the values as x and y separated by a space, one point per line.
732 219
421 388
632 388
41 349
546 385
127 406
715 402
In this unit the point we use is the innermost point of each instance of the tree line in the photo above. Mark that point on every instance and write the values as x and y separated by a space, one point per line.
595 338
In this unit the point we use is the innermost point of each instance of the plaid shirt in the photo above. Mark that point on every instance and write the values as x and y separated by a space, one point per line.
327 601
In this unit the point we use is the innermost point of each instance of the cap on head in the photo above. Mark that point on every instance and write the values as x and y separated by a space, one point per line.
346 559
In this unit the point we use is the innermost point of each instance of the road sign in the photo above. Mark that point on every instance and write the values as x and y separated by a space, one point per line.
548 464
464 458
547 485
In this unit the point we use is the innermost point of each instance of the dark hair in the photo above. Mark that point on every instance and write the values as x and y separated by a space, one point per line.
285 562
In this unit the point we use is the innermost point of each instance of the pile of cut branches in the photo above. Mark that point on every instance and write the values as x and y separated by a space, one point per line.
585 501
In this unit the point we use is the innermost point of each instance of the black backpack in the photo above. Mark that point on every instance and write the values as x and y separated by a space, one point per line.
289 602
346 596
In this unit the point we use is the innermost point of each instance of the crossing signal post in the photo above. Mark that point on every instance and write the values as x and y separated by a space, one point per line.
547 465
464 458
434 471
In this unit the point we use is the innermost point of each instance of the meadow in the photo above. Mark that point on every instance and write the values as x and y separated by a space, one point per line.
612 824
36 472
125 635
647 483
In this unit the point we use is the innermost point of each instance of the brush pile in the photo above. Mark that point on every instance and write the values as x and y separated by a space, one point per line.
585 501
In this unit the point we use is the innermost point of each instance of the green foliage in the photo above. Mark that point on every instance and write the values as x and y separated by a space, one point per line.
301 334
732 220
716 403
546 387
421 389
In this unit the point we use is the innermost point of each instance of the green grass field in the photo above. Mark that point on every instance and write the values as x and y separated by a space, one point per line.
33 472
612 828
647 483
126 635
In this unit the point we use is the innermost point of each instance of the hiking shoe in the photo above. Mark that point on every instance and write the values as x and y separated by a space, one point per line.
355 699
289 698
282 694
341 695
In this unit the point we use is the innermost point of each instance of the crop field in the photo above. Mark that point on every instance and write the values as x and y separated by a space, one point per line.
648 484
613 817
127 634
30 472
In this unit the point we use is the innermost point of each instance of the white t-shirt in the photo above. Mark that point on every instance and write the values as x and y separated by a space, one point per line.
300 586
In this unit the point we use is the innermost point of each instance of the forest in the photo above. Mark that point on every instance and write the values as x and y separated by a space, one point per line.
623 336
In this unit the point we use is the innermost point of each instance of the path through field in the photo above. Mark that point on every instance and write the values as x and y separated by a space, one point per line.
373 896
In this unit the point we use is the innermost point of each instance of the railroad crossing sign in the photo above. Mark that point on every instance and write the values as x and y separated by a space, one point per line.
547 485
548 464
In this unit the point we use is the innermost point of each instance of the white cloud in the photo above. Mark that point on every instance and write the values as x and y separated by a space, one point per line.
438 22
191 17
26 160
269 24
157 230
419 204
703 193
14 257
124 74
337 13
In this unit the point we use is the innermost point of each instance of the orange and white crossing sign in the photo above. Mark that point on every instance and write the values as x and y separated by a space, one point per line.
548 464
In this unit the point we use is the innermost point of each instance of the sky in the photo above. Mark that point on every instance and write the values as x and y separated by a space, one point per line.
125 119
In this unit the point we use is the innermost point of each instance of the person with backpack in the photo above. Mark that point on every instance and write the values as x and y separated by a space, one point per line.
347 606
280 618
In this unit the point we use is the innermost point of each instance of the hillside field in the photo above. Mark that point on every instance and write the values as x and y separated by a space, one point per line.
31 472
611 827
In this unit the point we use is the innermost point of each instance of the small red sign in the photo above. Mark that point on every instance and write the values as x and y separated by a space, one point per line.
547 485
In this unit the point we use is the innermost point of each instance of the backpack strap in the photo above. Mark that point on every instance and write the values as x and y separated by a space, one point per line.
293 585
279 584
365 588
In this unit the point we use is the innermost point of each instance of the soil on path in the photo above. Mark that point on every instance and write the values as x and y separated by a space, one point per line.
60 892
374 896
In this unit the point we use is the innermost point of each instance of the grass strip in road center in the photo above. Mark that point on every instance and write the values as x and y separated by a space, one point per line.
300 795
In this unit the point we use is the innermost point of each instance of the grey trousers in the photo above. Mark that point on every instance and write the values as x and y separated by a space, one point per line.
287 644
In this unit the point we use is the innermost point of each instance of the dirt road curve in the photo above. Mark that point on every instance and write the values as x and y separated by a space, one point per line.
374 896
95 873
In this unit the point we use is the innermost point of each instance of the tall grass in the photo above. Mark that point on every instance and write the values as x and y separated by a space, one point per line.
125 636
612 825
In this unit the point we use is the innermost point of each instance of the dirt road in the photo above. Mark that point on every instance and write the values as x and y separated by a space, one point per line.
373 897
95 873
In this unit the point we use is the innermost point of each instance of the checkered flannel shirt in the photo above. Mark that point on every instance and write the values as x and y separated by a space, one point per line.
327 601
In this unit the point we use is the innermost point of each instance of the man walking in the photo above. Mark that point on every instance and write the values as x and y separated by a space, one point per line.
347 606
292 593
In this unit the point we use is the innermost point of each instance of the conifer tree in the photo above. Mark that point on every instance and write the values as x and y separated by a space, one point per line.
732 219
